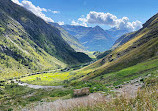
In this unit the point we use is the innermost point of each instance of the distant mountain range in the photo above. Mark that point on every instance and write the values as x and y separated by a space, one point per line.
95 38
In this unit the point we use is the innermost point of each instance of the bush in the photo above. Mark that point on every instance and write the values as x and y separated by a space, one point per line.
61 93
34 98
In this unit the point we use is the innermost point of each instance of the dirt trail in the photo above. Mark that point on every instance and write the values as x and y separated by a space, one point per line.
129 90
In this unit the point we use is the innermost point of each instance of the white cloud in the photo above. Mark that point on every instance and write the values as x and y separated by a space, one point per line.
74 23
16 1
54 12
101 18
79 22
34 9
108 19
61 23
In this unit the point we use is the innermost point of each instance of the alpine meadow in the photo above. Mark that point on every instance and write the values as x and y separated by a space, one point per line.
78 55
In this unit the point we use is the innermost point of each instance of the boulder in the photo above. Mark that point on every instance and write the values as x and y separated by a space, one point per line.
81 92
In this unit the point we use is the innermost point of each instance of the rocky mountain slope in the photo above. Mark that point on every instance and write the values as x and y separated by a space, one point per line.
29 44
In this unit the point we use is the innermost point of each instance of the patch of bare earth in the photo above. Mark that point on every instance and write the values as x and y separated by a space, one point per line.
128 90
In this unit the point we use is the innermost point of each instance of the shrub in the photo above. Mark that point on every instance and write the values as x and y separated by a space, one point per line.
61 93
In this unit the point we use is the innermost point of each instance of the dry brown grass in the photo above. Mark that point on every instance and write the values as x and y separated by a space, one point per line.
146 100
129 98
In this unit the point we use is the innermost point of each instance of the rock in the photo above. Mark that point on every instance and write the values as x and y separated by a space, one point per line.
81 92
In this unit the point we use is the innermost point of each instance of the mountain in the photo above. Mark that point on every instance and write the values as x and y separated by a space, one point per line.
136 56
71 40
116 32
93 38
28 43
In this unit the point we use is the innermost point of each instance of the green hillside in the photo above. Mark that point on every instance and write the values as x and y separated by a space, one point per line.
29 44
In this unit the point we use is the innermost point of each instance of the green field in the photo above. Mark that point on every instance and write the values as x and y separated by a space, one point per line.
47 79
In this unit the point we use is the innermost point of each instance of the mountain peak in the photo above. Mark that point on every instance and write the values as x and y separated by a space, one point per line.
98 27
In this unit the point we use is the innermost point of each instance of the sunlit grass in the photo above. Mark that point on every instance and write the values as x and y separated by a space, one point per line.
129 43
47 78
141 69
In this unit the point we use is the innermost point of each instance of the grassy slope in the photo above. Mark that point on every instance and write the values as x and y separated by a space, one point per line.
43 34
115 78
141 69
28 44
13 96
21 55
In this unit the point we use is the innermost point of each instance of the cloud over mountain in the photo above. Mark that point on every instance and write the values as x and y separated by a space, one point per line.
61 23
108 19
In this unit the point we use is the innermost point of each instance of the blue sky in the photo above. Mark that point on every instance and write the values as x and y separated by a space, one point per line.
70 10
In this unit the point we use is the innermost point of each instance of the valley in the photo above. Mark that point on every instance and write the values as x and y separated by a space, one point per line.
49 66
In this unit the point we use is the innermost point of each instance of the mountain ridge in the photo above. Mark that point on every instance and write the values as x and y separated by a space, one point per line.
95 38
